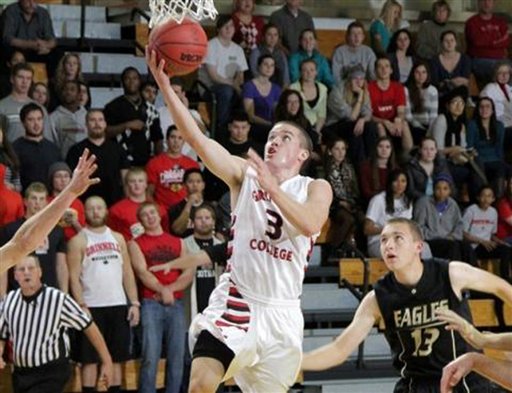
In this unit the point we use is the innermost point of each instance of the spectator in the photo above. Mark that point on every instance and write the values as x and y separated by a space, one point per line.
69 118
314 95
180 214
69 69
450 68
110 157
206 277
480 223
290 107
40 93
401 55
238 144
37 318
270 46
260 98
345 212
16 57
122 215
166 120
428 39
449 132
73 220
486 135
373 173
353 54
424 167
27 27
504 208
103 284
248 27
308 51
223 70
84 96
163 316
486 40
291 21
500 92
11 163
35 152
389 21
440 221
422 102
133 122
10 106
350 115
149 92
394 202
51 253
11 207
388 102
165 171
203 223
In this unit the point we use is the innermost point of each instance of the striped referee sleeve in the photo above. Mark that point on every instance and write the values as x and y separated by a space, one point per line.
72 316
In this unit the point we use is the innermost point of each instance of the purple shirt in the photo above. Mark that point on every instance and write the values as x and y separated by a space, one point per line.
263 106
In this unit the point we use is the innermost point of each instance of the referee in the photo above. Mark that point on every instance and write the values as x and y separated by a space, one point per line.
36 318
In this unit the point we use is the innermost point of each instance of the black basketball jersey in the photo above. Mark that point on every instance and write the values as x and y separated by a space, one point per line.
420 344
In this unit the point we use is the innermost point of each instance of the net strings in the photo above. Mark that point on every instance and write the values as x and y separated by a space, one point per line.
164 10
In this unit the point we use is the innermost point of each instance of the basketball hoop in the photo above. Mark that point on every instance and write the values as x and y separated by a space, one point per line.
164 10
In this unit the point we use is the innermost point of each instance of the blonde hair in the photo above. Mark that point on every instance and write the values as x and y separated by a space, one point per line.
350 97
386 14
60 72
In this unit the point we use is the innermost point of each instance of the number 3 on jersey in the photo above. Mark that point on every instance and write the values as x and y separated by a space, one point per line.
275 225
424 339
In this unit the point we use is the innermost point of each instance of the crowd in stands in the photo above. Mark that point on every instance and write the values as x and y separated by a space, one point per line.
394 130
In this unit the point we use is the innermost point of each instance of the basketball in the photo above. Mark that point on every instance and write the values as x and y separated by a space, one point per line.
183 45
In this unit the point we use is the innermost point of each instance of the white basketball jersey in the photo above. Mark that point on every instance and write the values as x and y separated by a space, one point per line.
269 255
102 270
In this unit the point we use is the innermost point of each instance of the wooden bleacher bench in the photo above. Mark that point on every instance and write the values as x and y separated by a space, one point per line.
324 236
352 270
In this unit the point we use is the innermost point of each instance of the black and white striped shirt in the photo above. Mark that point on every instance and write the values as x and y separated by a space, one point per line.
37 325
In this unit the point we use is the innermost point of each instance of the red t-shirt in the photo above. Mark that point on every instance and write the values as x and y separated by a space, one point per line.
122 218
486 39
504 212
77 208
166 175
157 250
385 102
11 206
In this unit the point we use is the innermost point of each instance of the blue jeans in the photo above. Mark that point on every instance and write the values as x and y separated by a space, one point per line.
161 322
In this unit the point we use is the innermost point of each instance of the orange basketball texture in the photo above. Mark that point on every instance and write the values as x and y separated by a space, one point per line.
182 46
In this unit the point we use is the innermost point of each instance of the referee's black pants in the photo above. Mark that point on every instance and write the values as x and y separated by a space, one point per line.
49 378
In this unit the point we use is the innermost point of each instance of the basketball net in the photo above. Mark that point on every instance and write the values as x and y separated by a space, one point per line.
164 10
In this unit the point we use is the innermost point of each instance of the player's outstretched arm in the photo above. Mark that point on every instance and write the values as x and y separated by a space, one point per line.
200 258
307 217
335 353
216 158
33 231
493 369
464 276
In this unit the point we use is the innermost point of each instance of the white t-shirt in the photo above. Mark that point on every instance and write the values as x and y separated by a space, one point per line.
377 212
227 60
480 223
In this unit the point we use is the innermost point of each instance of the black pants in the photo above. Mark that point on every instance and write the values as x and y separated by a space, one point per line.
49 378
453 250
